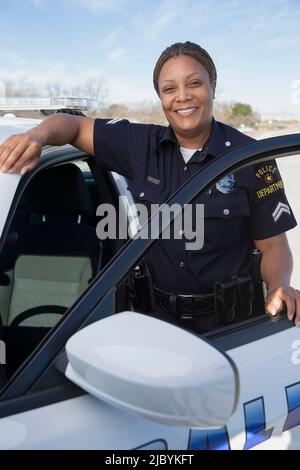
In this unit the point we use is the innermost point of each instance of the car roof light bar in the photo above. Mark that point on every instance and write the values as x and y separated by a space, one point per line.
46 104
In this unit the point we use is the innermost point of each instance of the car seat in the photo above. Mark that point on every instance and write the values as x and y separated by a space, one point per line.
55 258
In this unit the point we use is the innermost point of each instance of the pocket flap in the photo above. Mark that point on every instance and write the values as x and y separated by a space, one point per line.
144 192
226 206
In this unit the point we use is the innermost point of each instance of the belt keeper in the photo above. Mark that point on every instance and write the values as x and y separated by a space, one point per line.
173 303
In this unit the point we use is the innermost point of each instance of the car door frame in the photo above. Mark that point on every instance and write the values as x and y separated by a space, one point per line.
98 300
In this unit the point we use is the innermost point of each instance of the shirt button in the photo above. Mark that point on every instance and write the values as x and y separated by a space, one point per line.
181 232
185 168
142 194
227 143
226 211
181 264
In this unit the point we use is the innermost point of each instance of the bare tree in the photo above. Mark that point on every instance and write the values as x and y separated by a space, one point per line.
145 112
55 89
26 88
95 90
12 88
91 88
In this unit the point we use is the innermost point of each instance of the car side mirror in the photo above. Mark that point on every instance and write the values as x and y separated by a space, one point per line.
154 369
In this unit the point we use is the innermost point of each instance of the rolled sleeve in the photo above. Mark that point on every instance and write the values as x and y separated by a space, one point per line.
118 144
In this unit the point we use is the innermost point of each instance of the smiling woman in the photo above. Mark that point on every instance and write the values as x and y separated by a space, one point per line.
212 285
186 98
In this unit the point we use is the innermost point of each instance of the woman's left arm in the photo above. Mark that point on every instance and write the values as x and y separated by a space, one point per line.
276 271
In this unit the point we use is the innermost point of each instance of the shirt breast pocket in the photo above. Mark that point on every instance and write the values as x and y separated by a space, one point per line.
147 192
147 197
226 220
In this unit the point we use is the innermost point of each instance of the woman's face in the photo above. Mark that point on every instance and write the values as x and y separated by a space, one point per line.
186 95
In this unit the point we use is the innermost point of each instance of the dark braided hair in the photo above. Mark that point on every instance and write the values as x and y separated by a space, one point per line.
186 48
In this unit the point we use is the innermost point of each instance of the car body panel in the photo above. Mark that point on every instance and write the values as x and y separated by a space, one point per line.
12 125
86 423
267 367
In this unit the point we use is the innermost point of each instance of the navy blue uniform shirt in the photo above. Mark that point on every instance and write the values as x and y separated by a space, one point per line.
240 208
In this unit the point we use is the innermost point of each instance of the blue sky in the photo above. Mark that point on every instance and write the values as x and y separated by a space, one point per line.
255 45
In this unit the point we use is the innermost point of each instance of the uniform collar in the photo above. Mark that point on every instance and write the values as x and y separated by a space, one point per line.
167 136
215 144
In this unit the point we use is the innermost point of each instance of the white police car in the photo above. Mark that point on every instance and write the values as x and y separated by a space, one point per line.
75 375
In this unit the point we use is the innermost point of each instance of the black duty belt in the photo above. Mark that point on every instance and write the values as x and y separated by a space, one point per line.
186 306
232 300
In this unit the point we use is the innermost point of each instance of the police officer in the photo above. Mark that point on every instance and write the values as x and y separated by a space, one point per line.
245 210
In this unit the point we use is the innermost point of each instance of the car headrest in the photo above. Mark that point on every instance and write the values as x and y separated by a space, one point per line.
60 190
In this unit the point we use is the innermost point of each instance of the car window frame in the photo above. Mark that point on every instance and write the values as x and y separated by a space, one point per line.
90 306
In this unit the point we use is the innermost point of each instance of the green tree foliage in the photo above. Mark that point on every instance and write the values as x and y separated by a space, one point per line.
241 109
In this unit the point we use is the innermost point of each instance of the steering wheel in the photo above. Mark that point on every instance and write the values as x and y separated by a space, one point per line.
40 310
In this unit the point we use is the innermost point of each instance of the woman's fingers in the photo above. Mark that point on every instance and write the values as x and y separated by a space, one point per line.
18 151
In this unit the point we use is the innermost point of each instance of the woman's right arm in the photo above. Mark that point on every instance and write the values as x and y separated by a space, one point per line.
21 152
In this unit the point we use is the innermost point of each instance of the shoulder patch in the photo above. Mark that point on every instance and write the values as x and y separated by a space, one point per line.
267 173
270 189
268 180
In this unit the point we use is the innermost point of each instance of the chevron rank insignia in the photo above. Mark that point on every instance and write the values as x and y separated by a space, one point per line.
280 209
